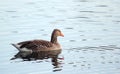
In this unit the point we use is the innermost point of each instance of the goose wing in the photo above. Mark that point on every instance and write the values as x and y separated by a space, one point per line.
35 44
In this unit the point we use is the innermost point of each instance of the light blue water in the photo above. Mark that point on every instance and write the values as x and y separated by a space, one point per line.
92 35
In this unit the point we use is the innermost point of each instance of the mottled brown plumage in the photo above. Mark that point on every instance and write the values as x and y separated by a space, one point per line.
41 45
35 44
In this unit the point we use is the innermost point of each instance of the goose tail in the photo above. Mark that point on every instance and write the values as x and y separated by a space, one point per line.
16 46
21 49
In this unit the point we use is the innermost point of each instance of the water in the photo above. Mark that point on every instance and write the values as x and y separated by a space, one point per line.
91 29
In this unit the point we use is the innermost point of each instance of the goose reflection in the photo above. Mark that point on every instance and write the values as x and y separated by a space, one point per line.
40 55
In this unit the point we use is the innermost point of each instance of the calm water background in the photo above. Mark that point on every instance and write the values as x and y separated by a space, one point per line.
92 35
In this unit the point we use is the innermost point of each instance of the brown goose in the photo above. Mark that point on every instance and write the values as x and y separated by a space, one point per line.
41 45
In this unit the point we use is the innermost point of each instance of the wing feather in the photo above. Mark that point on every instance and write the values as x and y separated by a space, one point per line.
35 44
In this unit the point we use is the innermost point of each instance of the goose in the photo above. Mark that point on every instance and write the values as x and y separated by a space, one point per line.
40 45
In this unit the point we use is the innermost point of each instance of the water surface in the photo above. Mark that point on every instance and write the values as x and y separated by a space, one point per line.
92 35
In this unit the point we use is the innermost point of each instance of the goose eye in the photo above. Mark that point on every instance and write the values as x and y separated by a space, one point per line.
58 32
